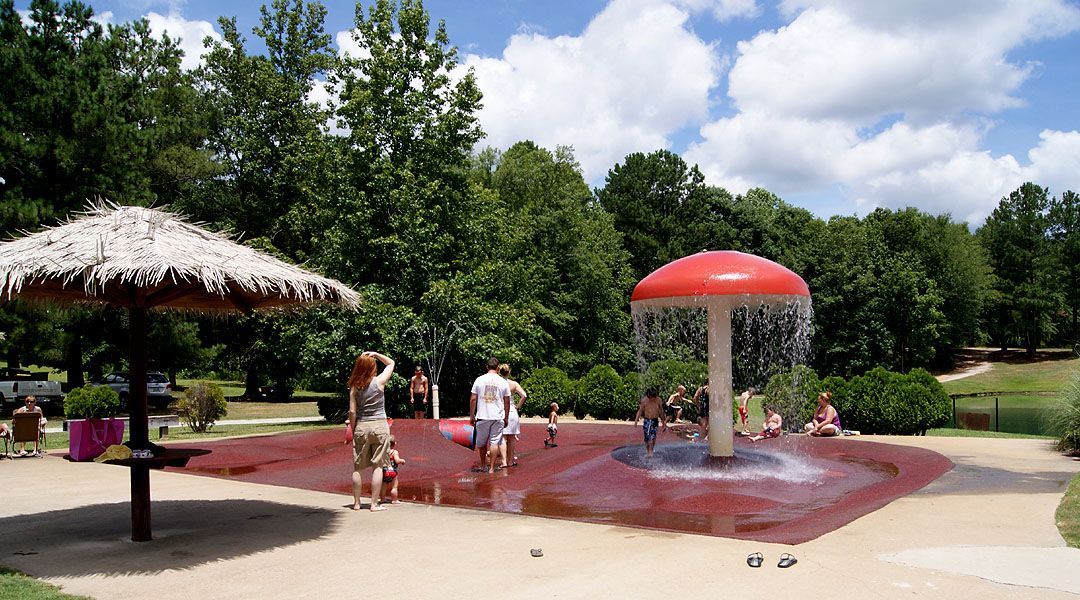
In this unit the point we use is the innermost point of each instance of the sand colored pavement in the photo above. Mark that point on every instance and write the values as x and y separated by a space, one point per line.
985 529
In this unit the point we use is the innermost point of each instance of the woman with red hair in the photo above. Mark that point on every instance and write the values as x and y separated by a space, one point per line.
367 418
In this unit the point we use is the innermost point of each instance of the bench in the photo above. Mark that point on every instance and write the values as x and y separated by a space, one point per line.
162 422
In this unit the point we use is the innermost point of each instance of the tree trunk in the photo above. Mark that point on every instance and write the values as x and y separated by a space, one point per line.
251 384
73 361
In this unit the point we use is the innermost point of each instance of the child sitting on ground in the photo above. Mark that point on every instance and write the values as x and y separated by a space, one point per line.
390 474
773 424
553 426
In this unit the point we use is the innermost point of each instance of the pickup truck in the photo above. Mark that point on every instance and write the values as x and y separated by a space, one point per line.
17 384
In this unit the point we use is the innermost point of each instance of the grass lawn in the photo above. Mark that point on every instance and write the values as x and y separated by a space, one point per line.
58 440
1017 378
269 410
16 586
1068 514
947 432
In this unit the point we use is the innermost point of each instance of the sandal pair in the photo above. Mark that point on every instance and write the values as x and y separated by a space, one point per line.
756 559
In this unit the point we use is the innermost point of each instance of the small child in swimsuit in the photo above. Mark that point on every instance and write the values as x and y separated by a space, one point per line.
553 426
651 413
773 425
390 474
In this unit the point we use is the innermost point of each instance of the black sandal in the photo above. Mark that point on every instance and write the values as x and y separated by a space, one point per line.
755 560
786 560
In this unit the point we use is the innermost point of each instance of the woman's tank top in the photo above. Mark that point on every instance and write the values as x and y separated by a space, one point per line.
372 403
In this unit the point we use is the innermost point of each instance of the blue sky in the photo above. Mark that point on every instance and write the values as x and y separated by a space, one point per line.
838 106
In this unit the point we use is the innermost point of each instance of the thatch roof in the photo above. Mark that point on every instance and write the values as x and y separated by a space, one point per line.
134 256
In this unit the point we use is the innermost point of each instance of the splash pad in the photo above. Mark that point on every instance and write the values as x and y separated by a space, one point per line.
719 282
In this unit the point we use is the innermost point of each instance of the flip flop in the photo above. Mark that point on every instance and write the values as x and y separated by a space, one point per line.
786 560
536 552
755 560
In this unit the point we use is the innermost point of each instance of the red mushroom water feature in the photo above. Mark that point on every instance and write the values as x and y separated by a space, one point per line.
719 281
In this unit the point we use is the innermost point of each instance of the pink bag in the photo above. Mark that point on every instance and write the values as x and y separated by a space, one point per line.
90 437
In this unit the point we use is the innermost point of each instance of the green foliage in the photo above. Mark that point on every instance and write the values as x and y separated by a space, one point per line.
666 375
91 402
602 394
794 394
335 409
547 385
1065 417
884 402
633 389
202 405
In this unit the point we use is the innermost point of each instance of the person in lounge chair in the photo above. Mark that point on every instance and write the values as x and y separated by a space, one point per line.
31 407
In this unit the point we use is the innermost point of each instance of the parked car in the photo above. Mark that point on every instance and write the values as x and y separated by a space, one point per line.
17 384
157 388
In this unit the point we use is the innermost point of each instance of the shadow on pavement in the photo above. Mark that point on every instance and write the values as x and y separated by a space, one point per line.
95 539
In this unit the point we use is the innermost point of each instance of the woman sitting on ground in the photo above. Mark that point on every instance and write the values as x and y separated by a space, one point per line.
826 421
773 425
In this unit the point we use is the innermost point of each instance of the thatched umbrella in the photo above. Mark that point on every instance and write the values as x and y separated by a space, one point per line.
142 259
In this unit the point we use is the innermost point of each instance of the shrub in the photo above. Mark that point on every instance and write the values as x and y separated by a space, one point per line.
202 405
666 375
632 391
1066 417
885 402
795 396
335 409
544 386
91 402
601 392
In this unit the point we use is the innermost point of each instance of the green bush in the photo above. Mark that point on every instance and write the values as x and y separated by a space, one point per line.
335 409
885 402
202 405
666 375
91 402
601 392
1066 416
794 394
544 386
632 391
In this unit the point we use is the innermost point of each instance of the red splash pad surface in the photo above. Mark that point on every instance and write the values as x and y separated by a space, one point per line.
594 475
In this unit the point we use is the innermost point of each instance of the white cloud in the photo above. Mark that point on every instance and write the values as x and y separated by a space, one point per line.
190 34
634 76
723 10
889 101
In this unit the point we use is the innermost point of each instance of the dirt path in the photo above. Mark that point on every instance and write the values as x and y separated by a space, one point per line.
966 372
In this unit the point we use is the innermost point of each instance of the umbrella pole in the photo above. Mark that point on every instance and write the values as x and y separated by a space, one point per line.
140 475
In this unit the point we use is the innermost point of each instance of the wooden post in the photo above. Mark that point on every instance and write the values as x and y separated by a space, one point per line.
139 436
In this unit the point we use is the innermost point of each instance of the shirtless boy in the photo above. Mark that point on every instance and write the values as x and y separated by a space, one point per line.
653 414
674 402
418 389
772 427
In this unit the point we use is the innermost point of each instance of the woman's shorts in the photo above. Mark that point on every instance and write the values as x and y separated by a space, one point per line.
371 445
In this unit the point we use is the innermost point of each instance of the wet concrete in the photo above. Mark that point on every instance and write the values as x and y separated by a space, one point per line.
788 490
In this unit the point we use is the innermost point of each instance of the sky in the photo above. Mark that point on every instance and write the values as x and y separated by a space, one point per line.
837 106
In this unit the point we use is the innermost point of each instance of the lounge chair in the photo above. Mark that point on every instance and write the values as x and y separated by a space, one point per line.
26 427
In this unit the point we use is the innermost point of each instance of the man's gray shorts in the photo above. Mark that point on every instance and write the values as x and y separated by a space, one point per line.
488 433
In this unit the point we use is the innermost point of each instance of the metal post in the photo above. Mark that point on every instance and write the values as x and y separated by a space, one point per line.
721 426
954 412
997 415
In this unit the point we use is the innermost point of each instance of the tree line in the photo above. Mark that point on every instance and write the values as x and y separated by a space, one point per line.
382 188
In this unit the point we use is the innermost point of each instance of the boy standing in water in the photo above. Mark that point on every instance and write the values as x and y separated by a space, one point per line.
653 413
553 426
744 409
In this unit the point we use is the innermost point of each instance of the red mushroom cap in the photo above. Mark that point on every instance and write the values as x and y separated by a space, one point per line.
720 273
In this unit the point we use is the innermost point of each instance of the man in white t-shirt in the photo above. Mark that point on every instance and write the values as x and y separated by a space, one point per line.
489 411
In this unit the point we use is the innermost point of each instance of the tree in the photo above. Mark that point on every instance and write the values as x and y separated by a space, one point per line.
663 209
1065 235
1015 237
411 217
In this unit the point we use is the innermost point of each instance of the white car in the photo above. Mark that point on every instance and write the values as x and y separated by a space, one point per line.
157 388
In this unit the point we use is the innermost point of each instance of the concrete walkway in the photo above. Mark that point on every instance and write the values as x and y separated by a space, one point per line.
984 530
